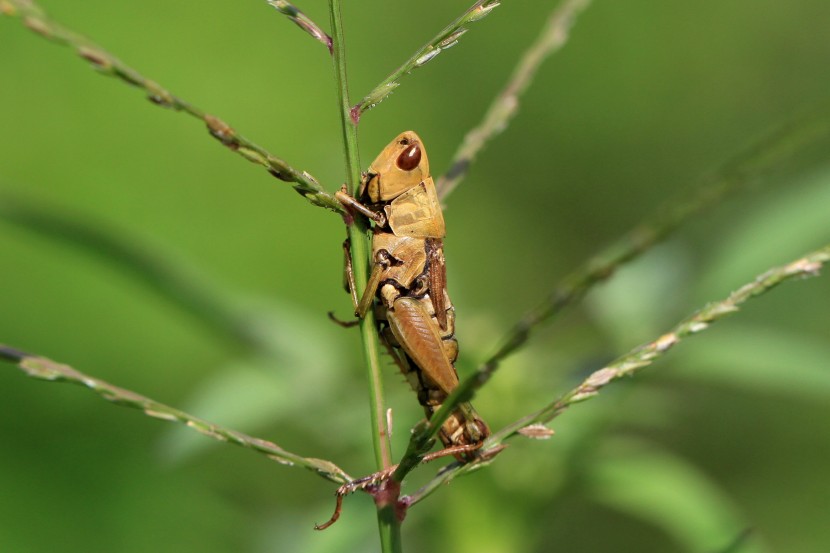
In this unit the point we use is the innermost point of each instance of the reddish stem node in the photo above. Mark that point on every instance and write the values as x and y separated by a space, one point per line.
354 114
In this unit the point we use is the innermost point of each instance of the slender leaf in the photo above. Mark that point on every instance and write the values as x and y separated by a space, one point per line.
666 491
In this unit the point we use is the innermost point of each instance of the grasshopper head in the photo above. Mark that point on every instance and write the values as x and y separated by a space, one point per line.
400 166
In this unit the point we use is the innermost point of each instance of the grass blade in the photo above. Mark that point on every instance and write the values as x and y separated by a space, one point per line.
168 276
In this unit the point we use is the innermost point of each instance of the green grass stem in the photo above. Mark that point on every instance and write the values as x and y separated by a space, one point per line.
45 369
388 522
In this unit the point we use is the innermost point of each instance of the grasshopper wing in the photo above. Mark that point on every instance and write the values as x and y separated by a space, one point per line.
418 335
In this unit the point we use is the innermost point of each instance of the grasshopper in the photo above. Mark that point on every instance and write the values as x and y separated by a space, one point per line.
408 285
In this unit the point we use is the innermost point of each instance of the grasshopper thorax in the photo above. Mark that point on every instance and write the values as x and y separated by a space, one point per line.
402 165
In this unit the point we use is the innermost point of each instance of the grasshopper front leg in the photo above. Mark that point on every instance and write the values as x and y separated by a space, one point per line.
349 202
381 259
381 263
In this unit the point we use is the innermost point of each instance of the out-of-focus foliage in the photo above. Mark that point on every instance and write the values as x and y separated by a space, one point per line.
646 97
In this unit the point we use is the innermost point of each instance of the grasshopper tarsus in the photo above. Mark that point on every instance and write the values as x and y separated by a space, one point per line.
345 324
338 508
366 483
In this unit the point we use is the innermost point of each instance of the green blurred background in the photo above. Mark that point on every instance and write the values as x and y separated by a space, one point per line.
727 434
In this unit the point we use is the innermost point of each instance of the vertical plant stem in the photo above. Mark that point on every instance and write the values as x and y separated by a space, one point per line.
388 522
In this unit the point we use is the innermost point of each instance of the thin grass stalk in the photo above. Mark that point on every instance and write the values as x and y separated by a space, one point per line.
105 63
444 40
553 37
389 526
45 369
359 242
640 357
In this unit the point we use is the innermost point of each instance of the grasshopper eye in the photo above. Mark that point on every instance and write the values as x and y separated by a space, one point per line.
409 158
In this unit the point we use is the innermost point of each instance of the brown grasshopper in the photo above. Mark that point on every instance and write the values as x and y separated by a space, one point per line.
408 282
